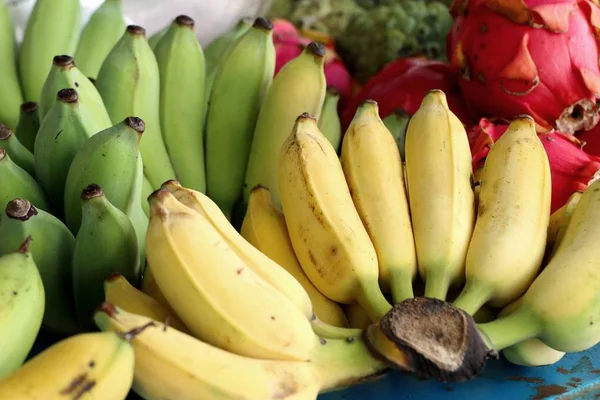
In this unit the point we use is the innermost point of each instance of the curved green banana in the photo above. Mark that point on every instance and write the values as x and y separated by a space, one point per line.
329 124
299 87
29 124
62 132
65 75
21 306
242 80
397 122
52 28
129 84
16 182
11 97
181 66
106 243
100 34
52 249
18 153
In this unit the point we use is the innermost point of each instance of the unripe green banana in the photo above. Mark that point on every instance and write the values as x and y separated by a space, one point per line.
146 192
18 153
110 159
329 123
181 66
102 31
11 90
129 84
397 122
298 88
52 249
244 76
62 132
29 124
21 306
156 36
65 75
106 243
52 28
18 183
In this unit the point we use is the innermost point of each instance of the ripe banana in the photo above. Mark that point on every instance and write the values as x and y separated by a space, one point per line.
102 31
244 76
439 176
21 306
28 125
264 227
329 122
559 220
105 243
52 28
62 132
299 87
52 249
18 183
181 66
357 316
329 239
92 365
18 153
397 122
129 84
373 170
509 238
11 97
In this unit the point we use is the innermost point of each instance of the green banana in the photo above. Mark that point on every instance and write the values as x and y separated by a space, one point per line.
19 154
329 124
146 192
16 182
129 84
52 28
65 75
299 87
21 306
244 77
102 31
11 90
52 249
397 122
106 243
62 132
156 36
181 66
28 125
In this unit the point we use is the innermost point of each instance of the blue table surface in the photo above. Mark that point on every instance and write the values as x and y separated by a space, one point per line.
576 376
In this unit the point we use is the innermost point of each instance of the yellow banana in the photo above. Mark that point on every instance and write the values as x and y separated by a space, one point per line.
329 239
440 178
509 238
373 169
559 220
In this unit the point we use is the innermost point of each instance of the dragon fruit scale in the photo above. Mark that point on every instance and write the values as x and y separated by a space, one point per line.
536 57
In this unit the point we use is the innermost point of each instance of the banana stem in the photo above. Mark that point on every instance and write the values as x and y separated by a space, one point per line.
511 329
373 301
436 285
401 286
333 332
473 296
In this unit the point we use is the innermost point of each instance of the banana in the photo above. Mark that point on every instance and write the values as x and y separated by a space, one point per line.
559 220
52 28
18 153
264 227
299 87
329 239
241 82
28 125
182 75
357 316
397 122
509 238
129 83
120 292
147 190
18 183
439 176
106 242
11 97
329 122
156 36
102 31
52 250
21 307
62 132
150 287
65 75
171 364
96 365
373 170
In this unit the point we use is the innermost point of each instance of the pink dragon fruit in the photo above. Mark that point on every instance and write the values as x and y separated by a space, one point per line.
536 57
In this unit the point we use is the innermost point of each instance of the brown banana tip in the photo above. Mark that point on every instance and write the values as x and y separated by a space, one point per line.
316 48
20 209
260 187
435 91
524 116
136 30
2 153
135 123
91 191
368 102
170 182
130 335
5 132
24 247
113 276
263 23
68 95
184 20
63 60
108 309
157 194
305 115
29 107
